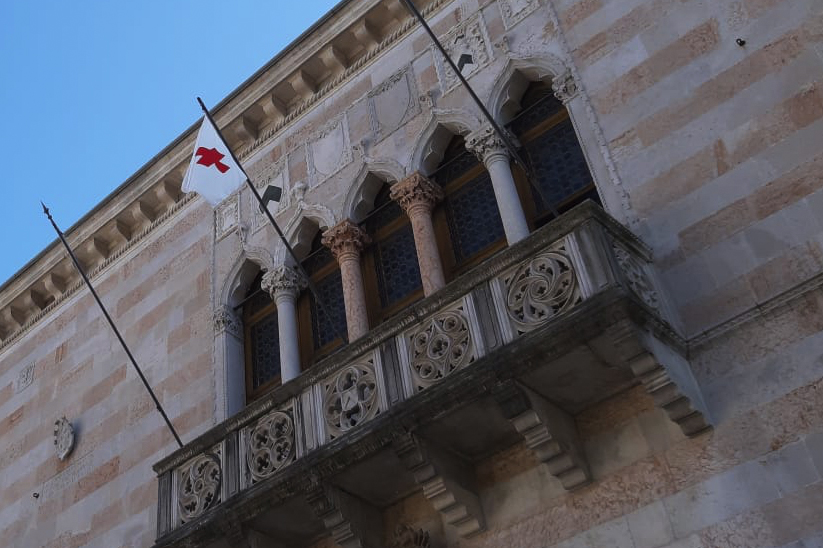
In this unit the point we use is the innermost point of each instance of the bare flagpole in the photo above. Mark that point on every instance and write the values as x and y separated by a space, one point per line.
111 323
265 209
507 142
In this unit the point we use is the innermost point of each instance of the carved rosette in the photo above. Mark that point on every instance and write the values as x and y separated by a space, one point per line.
63 438
486 143
541 289
416 192
345 239
441 347
199 484
270 445
636 276
350 398
225 319
407 537
283 281
564 87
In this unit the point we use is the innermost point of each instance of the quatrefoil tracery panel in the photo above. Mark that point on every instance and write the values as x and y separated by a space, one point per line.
540 289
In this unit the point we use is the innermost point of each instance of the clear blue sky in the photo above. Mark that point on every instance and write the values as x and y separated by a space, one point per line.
91 90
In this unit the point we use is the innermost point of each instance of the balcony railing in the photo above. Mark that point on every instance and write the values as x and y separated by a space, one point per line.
516 347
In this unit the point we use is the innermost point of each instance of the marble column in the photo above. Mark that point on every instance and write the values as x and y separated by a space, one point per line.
284 284
417 196
490 149
346 241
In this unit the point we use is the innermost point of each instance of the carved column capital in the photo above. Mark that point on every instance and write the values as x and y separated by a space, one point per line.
346 240
487 145
416 193
226 320
564 87
282 282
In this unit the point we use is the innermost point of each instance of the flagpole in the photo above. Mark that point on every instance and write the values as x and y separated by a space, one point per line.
282 236
111 323
507 142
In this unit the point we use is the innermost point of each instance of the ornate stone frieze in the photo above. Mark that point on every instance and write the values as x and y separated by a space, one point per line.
636 275
24 378
63 438
198 485
439 347
345 238
515 11
564 87
226 320
469 46
416 191
283 280
540 289
350 398
270 445
406 537
226 216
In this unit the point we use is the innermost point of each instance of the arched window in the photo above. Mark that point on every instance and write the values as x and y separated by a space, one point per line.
390 261
261 341
321 328
547 137
467 221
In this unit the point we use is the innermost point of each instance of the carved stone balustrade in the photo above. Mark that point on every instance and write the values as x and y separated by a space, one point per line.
510 351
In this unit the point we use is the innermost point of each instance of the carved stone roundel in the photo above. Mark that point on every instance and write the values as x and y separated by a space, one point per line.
351 399
199 487
636 277
443 347
540 290
63 438
271 445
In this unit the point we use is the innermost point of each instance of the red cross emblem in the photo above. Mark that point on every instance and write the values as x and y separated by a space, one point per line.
211 157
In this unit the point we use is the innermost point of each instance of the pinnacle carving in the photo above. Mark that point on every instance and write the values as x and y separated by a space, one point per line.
564 87
282 280
485 143
345 238
416 191
225 319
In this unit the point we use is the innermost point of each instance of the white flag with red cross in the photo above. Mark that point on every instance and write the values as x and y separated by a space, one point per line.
212 173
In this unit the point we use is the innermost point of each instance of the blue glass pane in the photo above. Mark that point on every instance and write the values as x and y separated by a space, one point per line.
265 347
398 273
474 221
326 329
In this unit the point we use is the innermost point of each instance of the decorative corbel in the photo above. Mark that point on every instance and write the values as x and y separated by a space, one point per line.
548 430
447 481
350 521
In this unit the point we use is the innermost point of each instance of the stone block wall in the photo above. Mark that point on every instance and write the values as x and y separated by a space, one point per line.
104 493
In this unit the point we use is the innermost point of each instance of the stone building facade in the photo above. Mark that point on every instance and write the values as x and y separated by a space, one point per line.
624 348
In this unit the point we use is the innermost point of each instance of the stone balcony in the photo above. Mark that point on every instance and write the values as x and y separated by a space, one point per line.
510 351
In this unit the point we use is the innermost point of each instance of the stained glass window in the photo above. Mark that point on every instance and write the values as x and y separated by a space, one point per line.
559 169
321 326
391 265
262 343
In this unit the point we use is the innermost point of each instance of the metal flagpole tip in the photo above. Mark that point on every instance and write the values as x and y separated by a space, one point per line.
45 209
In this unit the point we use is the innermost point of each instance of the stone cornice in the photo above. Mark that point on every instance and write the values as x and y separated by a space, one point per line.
344 41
